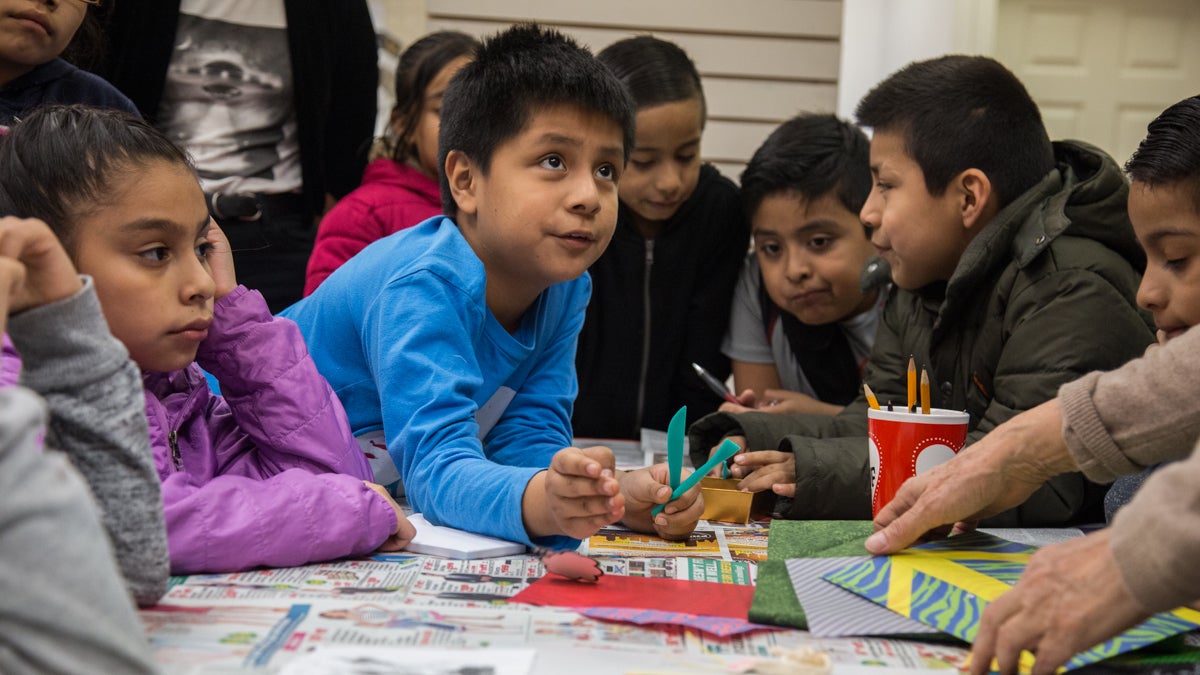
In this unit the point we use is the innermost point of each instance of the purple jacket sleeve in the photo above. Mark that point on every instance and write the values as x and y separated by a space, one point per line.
233 523
10 362
273 397
284 480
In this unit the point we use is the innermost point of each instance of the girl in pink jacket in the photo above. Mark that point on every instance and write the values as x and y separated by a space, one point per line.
269 474
401 189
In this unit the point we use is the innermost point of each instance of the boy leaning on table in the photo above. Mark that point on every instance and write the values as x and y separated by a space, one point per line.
1015 269
456 338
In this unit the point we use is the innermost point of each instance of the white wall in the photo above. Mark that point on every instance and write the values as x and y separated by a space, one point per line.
880 36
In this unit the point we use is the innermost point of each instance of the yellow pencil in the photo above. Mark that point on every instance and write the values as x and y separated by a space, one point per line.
871 400
924 392
912 383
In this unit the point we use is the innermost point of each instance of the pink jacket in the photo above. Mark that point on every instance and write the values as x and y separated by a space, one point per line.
269 474
392 197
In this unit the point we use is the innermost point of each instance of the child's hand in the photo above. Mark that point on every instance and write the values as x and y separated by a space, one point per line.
220 260
47 273
581 493
784 401
646 488
746 403
741 443
404 532
766 470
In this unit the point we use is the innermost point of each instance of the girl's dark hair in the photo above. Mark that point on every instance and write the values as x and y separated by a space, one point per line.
60 162
419 65
86 49
654 71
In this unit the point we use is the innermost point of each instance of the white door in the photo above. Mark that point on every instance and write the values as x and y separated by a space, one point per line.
1101 70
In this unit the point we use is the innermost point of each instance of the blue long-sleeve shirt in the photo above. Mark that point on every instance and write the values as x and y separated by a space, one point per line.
469 412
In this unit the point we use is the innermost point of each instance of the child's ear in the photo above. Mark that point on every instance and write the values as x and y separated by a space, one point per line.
461 174
975 195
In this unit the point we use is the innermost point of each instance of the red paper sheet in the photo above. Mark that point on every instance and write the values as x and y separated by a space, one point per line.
669 595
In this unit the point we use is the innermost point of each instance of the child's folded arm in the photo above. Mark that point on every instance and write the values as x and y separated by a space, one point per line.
94 393
273 394
233 523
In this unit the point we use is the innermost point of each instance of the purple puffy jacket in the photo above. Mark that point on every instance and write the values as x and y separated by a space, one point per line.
269 474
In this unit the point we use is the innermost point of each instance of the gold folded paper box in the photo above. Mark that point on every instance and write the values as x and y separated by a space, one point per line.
725 503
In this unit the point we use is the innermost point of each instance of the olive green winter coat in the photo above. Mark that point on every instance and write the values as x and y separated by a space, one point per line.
1043 295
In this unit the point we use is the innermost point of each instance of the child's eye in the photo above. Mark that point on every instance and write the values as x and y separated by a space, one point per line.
607 172
819 243
553 162
882 186
1175 264
641 164
685 159
203 250
769 249
156 254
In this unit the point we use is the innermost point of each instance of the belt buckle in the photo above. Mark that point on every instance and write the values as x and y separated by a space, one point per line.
215 206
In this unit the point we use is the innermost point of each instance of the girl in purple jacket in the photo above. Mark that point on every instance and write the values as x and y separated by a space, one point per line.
270 473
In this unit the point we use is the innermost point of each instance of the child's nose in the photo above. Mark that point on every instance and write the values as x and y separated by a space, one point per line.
670 180
799 267
869 214
197 284
1151 294
585 195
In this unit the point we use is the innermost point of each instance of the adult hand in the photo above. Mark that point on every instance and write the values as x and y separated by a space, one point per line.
766 470
582 494
220 261
48 274
404 531
646 488
1070 598
995 474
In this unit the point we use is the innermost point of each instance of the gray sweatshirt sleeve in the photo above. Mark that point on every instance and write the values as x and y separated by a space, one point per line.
63 607
98 419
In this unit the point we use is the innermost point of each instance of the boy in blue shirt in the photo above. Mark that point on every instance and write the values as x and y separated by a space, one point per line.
452 344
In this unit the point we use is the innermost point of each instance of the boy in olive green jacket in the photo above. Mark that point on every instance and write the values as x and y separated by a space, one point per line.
1015 269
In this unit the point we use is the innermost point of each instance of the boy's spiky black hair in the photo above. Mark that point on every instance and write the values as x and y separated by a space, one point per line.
959 112
1170 152
516 73
811 155
60 161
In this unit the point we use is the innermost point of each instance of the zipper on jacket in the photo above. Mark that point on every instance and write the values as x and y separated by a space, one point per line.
641 396
173 441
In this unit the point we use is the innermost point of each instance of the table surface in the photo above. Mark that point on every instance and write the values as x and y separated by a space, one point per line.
275 620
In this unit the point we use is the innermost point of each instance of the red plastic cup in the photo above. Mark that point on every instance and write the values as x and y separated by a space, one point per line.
904 444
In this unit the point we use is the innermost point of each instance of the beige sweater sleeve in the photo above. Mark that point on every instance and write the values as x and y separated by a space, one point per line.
1145 412
1154 537
1119 422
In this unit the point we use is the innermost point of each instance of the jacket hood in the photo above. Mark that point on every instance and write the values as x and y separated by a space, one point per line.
1084 196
